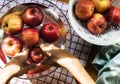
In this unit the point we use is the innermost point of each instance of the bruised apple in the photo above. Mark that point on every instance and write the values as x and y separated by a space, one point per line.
97 23
101 5
11 45
30 36
32 16
50 32
113 15
36 55
12 24
84 9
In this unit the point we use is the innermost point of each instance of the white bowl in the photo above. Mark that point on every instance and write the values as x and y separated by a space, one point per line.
109 37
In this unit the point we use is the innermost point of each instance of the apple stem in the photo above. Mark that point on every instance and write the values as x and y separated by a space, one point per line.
100 26
33 11
51 28
6 25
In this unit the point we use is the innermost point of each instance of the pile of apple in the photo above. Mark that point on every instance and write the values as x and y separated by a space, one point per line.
97 14
25 30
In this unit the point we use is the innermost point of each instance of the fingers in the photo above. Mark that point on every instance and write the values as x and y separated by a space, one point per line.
30 66
22 55
46 47
50 62
24 69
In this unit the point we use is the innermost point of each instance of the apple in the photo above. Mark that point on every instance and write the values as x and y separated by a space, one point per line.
97 23
101 5
11 45
12 24
32 16
84 9
50 32
113 15
39 69
36 54
2 56
30 36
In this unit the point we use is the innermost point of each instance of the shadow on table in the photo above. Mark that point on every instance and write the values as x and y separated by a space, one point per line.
89 67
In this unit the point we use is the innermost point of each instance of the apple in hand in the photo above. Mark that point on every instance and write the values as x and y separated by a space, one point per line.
12 24
36 54
113 15
32 16
101 5
11 45
97 23
30 36
39 69
50 32
84 9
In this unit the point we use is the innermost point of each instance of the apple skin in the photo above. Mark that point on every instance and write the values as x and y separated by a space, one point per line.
101 5
36 54
30 36
12 24
39 69
113 15
50 32
97 23
84 9
11 45
32 16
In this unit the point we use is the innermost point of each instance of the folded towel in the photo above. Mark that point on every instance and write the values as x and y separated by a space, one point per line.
107 63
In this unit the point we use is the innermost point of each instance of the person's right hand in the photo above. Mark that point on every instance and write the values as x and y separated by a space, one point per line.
57 56
65 59
48 51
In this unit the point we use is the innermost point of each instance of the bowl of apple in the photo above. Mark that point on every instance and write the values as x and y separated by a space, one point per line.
29 24
96 21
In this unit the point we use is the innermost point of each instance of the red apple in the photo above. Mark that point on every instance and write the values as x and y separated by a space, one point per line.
11 45
113 15
39 69
32 16
97 23
12 24
30 36
50 32
2 56
84 9
36 55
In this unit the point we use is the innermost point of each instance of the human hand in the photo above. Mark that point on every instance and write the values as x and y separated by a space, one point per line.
68 61
16 67
56 56
47 50
20 59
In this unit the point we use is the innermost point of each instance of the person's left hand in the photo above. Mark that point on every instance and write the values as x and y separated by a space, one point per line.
20 59
16 67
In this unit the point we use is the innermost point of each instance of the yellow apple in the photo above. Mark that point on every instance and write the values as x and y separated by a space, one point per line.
101 5
12 24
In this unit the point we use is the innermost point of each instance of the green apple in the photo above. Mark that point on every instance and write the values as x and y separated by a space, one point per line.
101 5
